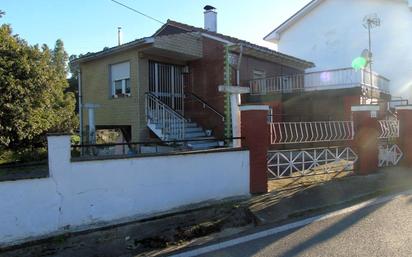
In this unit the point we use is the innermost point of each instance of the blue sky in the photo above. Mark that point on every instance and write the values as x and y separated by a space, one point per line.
90 25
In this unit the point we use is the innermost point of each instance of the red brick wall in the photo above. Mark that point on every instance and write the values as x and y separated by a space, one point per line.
206 76
405 136
348 102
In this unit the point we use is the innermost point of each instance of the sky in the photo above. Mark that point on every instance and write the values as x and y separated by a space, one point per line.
90 25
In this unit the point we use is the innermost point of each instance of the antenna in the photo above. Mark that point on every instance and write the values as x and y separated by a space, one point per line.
369 22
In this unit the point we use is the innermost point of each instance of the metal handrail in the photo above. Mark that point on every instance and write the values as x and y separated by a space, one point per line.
165 105
205 104
172 124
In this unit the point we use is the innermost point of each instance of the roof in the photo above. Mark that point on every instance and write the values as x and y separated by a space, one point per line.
185 28
233 40
274 35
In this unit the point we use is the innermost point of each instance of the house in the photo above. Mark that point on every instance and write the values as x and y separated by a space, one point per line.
331 34
166 86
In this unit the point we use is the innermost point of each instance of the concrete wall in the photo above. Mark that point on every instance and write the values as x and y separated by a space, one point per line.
332 35
79 195
206 76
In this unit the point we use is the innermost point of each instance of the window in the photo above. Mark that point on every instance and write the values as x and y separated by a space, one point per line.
118 87
120 79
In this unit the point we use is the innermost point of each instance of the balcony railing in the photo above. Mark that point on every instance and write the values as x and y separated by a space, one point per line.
320 80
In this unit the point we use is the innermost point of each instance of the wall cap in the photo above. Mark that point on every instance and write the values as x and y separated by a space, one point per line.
58 134
365 108
254 108
404 107
234 89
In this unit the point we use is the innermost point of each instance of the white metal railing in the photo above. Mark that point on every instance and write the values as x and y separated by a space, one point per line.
320 80
389 155
310 132
301 162
170 123
389 129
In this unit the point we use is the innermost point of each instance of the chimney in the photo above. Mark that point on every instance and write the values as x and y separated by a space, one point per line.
210 18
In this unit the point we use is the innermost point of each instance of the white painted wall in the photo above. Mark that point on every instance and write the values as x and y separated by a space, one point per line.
332 35
81 194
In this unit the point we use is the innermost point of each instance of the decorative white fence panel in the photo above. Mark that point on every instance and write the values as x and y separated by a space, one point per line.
310 132
290 163
389 129
389 155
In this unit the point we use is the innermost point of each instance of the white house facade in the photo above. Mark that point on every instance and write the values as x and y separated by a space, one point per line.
330 34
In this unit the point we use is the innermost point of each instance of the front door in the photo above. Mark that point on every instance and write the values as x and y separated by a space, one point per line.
166 82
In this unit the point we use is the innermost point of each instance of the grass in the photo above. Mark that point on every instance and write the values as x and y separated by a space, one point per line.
8 156
23 164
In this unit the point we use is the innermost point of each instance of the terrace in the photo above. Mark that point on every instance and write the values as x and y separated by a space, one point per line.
321 80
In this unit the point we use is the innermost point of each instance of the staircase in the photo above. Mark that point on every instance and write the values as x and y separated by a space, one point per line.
169 125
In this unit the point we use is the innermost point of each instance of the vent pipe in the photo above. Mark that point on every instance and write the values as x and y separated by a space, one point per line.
119 35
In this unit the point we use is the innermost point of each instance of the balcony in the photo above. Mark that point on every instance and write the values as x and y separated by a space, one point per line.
321 80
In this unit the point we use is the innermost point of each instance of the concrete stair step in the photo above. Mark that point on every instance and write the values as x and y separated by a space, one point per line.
190 135
197 145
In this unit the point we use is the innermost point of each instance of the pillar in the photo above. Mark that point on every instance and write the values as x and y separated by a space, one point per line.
254 129
405 133
365 144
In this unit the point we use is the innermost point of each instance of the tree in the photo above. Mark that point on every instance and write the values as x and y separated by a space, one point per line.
2 13
33 100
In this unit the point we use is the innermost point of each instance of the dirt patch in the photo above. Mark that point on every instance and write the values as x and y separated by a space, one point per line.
305 181
144 238
236 216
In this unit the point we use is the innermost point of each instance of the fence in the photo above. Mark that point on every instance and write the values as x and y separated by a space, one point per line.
388 129
84 194
389 155
310 132
144 148
320 80
301 162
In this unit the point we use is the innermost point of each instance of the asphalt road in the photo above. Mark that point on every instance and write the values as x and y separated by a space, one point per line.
378 230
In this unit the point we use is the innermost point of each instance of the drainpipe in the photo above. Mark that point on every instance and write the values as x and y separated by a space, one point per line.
235 100
79 88
238 65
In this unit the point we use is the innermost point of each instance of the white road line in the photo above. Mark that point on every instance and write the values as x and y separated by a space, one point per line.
286 227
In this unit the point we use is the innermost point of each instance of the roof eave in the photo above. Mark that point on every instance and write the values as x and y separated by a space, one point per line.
290 60
112 50
274 35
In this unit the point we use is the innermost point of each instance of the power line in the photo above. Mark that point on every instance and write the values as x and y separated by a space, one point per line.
136 11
